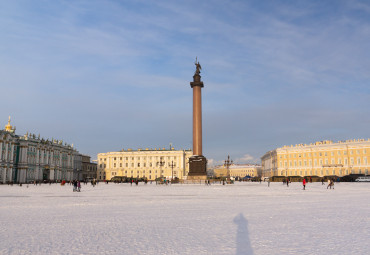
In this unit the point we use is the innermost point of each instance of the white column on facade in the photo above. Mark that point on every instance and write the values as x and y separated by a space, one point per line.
52 162
2 174
37 156
60 159
6 152
11 152
24 154
1 151
48 158
20 154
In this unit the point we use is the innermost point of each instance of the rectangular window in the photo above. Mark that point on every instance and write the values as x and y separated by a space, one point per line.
120 164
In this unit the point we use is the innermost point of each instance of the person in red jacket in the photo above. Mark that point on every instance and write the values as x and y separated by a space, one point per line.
304 183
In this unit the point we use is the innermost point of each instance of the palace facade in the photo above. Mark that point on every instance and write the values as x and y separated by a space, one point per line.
325 158
30 158
144 163
237 170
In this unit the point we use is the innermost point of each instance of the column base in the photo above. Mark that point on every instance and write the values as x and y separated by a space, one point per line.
197 168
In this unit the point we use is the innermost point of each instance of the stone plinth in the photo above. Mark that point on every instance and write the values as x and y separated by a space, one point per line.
197 168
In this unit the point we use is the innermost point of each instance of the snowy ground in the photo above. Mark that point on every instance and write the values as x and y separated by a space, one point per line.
244 218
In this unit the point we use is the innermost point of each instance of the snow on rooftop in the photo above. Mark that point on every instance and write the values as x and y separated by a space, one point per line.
244 218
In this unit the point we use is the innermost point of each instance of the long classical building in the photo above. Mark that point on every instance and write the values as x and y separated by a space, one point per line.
144 163
31 158
323 158
238 170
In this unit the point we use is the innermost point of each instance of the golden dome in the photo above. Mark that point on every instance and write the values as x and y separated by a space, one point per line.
8 127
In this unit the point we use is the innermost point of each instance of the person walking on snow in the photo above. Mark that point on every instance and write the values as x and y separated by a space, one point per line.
304 184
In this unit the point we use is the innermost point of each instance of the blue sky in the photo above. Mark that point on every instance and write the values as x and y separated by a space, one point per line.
107 75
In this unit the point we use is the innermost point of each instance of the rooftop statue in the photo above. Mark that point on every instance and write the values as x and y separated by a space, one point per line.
198 66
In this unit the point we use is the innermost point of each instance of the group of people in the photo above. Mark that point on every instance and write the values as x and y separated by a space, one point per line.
76 186
330 184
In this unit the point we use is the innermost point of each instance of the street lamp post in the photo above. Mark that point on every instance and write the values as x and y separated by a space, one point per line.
228 163
172 166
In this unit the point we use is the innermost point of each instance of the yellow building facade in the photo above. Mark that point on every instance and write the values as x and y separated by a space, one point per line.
323 158
147 163
237 170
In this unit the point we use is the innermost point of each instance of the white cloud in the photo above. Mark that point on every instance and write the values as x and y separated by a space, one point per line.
247 158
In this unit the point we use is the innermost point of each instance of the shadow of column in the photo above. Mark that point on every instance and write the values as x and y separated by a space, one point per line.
242 236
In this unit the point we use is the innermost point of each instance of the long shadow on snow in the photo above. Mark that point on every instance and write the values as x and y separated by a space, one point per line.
242 236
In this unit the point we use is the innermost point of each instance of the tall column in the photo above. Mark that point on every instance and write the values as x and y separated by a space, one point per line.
197 163
197 120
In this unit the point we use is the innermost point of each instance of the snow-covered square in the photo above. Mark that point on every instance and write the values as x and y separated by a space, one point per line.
244 218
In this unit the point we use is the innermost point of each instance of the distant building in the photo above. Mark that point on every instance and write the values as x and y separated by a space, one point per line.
31 158
323 158
147 163
89 169
238 170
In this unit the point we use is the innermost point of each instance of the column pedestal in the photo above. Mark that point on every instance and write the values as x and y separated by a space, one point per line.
198 168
